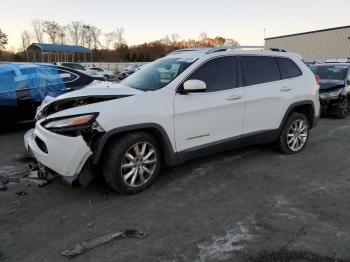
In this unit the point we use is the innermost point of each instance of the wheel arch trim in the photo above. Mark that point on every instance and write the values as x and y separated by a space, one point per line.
294 106
169 155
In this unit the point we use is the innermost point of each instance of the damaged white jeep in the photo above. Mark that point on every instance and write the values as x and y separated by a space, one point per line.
190 103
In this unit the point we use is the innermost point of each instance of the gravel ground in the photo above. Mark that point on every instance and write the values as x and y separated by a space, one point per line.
251 204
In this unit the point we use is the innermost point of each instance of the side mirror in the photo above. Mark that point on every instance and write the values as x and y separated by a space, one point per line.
348 82
194 86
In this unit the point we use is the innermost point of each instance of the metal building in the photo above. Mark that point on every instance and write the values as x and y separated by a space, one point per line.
39 52
317 45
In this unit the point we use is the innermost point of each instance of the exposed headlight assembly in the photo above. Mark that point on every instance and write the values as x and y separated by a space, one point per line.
39 113
331 94
72 123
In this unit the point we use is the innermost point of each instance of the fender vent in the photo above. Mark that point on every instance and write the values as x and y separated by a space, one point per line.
41 144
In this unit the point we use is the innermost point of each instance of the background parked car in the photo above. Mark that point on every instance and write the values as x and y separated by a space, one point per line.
309 63
24 86
129 71
334 87
77 67
106 73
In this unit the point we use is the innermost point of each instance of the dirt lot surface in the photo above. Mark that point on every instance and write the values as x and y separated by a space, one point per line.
251 204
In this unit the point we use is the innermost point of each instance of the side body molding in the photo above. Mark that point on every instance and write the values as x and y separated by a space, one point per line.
172 158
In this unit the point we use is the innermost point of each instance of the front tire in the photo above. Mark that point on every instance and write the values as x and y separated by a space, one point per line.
294 134
342 110
132 163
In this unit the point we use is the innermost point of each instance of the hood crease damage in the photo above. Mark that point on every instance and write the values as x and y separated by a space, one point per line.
63 104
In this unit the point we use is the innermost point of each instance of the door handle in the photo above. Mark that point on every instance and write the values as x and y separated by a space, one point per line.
24 98
286 89
234 97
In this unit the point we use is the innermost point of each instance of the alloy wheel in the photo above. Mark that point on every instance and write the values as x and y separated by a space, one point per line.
138 164
297 135
344 107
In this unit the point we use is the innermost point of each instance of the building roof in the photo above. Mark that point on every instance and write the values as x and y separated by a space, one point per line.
309 32
58 48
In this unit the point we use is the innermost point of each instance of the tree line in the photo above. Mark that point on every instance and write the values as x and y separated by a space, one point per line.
105 46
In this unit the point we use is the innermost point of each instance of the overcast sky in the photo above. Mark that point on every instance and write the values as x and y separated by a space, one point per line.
147 20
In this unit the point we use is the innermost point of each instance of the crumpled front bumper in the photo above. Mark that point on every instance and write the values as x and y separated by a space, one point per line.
330 105
64 155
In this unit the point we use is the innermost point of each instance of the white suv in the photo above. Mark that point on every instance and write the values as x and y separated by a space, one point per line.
190 103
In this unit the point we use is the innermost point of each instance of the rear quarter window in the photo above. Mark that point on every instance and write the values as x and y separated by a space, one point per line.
260 69
67 76
288 68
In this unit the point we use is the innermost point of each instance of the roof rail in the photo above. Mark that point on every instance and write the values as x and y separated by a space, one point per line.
186 50
338 60
226 48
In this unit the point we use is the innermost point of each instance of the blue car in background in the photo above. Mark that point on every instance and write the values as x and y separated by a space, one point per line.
24 86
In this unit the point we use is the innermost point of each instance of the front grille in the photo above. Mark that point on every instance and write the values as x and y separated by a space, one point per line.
41 144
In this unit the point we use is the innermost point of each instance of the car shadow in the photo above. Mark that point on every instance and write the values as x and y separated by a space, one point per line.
7 129
170 176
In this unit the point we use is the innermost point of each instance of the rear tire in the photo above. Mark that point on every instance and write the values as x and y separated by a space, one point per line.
343 109
132 162
294 134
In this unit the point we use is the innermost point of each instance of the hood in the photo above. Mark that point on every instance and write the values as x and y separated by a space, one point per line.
327 85
94 93
97 88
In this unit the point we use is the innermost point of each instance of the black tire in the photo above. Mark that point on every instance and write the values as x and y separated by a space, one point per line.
115 155
342 110
282 142
106 77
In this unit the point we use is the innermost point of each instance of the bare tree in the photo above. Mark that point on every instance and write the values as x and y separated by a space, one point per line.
203 36
95 35
119 41
38 30
26 39
86 36
231 42
62 35
205 40
52 29
166 40
3 40
174 38
73 30
219 41
109 39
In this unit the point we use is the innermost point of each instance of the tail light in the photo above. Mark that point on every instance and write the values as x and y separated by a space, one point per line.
318 79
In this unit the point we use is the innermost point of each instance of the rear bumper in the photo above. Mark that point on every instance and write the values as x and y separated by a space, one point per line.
316 120
64 155
317 116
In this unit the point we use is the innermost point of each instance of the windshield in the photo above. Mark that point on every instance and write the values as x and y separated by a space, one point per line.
331 72
158 74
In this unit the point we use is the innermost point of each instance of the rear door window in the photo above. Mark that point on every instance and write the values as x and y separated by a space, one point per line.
47 76
67 76
260 69
288 68
67 65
